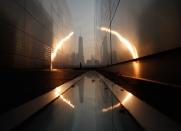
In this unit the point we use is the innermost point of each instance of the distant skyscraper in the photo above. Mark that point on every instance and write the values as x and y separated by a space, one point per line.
81 51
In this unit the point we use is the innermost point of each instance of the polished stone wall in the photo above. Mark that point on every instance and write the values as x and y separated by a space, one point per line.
28 31
153 28
150 26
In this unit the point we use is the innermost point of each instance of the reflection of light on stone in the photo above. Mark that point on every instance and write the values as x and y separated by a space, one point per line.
128 96
67 101
58 46
110 108
130 46
136 66
57 92
54 69
51 66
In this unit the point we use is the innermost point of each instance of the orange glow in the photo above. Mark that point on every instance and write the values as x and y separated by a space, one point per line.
136 66
130 46
110 108
57 92
58 46
67 101
128 96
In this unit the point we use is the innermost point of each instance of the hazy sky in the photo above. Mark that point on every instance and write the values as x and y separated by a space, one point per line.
82 12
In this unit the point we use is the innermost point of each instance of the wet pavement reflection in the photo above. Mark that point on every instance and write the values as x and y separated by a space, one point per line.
87 106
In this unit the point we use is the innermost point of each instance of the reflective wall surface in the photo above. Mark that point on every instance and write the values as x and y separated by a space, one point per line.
141 29
28 31
150 26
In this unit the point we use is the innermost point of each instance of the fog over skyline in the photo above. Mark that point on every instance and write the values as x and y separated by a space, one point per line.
87 16
82 12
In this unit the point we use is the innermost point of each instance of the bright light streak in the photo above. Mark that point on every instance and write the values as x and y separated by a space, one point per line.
130 46
128 96
110 108
136 66
59 45
57 92
67 101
